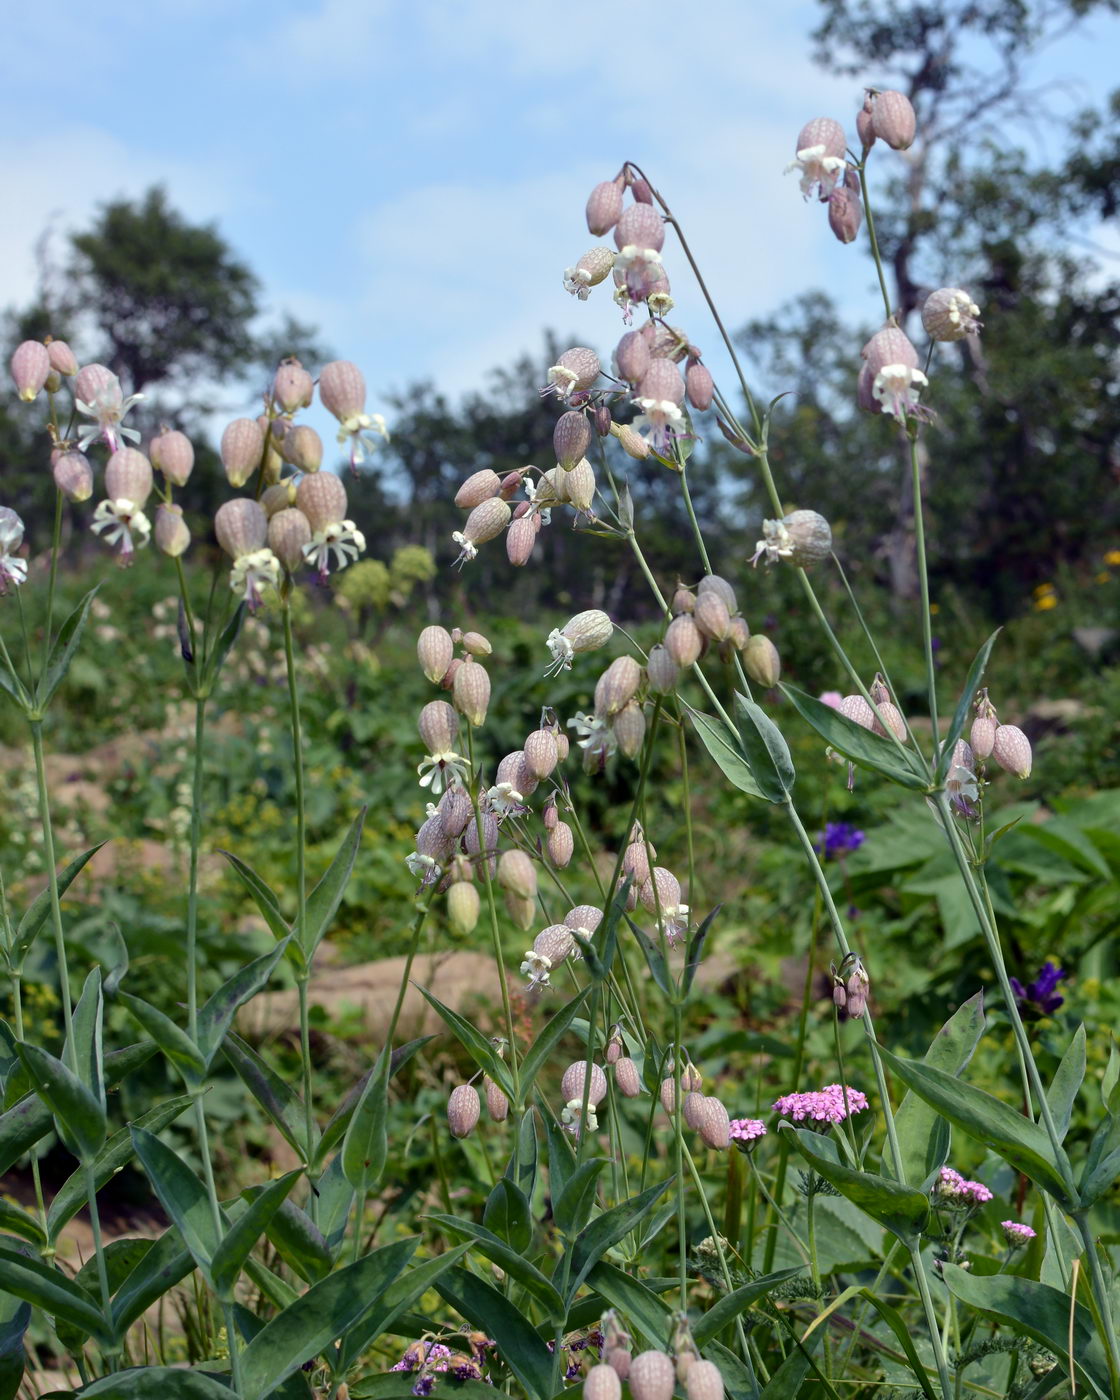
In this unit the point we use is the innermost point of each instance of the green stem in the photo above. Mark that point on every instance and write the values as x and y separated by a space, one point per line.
219 1228
69 1051
99 1250
192 871
923 580
875 254
56 538
1102 1295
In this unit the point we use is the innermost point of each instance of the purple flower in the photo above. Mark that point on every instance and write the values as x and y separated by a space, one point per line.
839 839
1040 997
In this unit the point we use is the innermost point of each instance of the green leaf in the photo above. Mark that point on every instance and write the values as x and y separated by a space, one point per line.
521 1348
639 1304
336 1197
299 1242
606 1231
964 704
168 1382
120 1257
733 1305
11 683
923 1135
512 1261
1067 1080
696 951
88 1049
787 1381
522 1166
324 899
727 752
858 745
62 652
547 1040
1070 842
396 1299
79 1117
71 1196
900 1209
739 1380
267 905
365 1146
279 1100
216 1017
1041 1312
181 1194
15 1315
475 1044
217 658
561 1158
175 1044
894 1320
657 962
333 1133
119 964
1102 1161
237 1243
52 1291
1022 1144
506 1213
38 911
14 1220
767 751
164 1265
320 1316
572 1206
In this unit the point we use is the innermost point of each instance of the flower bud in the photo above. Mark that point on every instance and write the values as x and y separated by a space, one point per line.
580 483
629 729
662 670
1011 749
604 205
640 226
463 1110
292 386
554 943
434 651
845 213
288 531
632 443
541 753
242 449
518 874
692 1110
322 498
497 1105
241 526
62 358
487 521
475 644
950 314
699 386
982 736
893 120
560 845
602 1383
172 533
572 1084
520 539
711 616
30 365
585 918
740 633
463 907
703 1381
652 1376
342 389
571 438
715 1124
455 810
632 357
617 686
662 382
889 719
856 708
691 1083
73 475
278 497
172 454
439 726
762 662
683 641
627 1080
128 474
302 447
478 487
471 692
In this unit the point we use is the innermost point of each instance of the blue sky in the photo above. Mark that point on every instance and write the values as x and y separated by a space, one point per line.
411 177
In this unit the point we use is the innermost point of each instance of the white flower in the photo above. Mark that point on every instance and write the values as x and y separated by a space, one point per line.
674 922
253 572
505 801
562 653
123 524
596 737
573 1111
108 409
341 541
12 571
539 491
536 967
657 422
358 431
963 788
425 867
442 770
467 549
776 542
897 388
817 170
577 280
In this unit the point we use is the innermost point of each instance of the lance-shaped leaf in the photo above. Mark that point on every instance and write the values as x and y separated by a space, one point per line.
547 1040
901 1209
216 1017
318 1317
62 653
1067 1080
657 962
895 1321
735 1304
475 1044
572 1206
324 899
300 1243
727 751
507 1214
14 687
510 1260
638 1303
267 904
38 911
766 750
1022 1144
278 1099
520 1346
339 1121
1044 1313
365 1146
217 658
164 1265
88 1051
14 1220
1102 1161
168 1382
606 1231
181 1194
964 704
173 1041
858 745
78 1115
52 1291
15 1315
238 1241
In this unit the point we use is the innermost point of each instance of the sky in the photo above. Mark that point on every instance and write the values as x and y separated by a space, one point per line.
411 178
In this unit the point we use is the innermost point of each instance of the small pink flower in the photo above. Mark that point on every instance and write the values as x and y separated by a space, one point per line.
1017 1234
747 1129
832 1104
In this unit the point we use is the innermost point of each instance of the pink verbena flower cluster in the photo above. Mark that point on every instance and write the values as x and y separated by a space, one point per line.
953 1187
1016 1234
832 1104
746 1129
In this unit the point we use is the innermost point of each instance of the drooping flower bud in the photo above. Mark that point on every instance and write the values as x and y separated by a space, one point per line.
629 729
604 205
982 736
602 1383
711 615
632 357
617 686
497 1105
517 873
845 213
471 692
856 708
463 1110
128 473
692 1110
172 454
699 386
302 447
172 534
626 1077
652 1376
438 725
683 641
662 670
292 386
30 365
242 449
1011 749
342 389
541 753
478 487
640 226
893 119
463 906
576 369
586 631
560 845
715 1124
73 475
571 438
580 483
520 539
62 358
950 314
762 662
289 534
241 526
661 382
434 651
575 1076
703 1381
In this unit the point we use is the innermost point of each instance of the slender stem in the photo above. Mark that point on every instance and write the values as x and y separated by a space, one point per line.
875 254
219 1227
192 871
1102 1295
923 579
69 1050
17 1016
56 537
99 1251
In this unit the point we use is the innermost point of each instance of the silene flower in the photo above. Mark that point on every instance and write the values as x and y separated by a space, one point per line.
358 430
123 525
98 395
440 770
658 423
13 571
